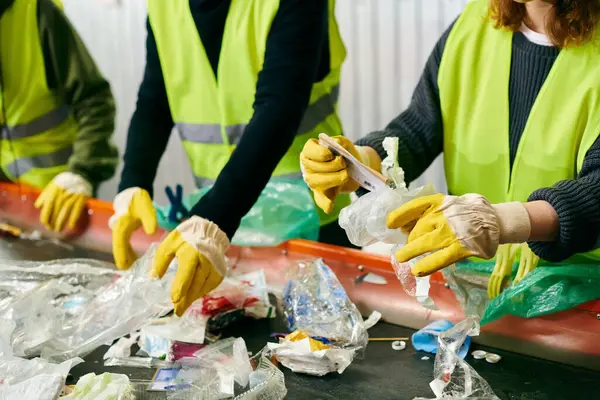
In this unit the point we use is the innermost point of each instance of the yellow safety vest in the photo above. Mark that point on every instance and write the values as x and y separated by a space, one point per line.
211 116
38 130
562 126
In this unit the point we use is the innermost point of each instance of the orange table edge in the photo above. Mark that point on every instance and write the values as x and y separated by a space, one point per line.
570 336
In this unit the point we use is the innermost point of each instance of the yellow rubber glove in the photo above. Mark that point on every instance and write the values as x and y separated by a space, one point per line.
133 209
527 263
327 175
199 246
63 201
453 228
505 257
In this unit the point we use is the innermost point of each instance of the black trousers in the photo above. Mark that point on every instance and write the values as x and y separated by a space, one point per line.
334 234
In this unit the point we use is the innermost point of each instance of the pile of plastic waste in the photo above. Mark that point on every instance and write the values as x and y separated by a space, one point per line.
328 330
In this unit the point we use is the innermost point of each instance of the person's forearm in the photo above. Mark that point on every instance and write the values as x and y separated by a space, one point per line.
292 57
544 221
150 127
72 74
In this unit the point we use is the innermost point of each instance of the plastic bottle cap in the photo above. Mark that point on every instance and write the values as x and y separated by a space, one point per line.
479 354
399 345
492 358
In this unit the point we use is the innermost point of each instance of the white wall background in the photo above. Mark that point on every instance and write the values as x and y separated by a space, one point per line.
388 42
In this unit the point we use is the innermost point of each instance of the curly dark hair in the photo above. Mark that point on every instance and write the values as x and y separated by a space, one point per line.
573 23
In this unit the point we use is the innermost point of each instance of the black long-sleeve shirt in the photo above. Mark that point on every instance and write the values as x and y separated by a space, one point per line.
420 133
296 56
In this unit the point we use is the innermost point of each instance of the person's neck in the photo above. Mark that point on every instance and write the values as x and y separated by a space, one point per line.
537 14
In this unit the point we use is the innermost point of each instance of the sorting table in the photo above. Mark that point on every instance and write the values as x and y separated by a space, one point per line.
382 374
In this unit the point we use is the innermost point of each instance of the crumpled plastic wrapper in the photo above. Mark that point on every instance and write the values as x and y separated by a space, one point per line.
316 303
299 357
223 370
106 386
414 286
72 317
36 295
454 378
365 221
29 379
237 297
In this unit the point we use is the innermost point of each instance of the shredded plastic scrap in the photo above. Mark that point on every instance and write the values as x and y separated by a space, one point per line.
365 220
106 386
316 304
223 370
29 379
454 378
79 305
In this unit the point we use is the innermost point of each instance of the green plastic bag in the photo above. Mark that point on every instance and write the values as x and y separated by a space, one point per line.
545 290
285 210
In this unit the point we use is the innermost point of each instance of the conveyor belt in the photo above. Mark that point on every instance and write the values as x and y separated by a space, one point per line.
382 374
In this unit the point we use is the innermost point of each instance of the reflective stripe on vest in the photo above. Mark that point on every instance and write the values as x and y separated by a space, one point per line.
211 133
39 132
46 122
22 166
212 108
558 133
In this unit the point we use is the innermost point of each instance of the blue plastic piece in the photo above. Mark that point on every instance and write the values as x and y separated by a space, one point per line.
285 210
177 210
427 338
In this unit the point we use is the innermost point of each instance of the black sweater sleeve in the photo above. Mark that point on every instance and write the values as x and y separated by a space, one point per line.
150 126
419 128
292 58
578 207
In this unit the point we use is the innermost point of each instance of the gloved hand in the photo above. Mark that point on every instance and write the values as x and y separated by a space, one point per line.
527 263
199 246
327 175
63 201
453 228
505 257
133 209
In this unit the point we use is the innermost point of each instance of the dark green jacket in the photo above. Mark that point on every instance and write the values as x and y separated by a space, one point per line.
72 73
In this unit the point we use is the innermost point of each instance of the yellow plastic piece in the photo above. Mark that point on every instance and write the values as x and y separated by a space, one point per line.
315 345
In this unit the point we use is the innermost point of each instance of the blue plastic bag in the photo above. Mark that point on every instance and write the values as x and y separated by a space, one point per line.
285 210
427 338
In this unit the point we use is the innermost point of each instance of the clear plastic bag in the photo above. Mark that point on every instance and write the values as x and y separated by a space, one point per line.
224 370
29 379
365 221
126 305
417 287
454 378
316 303
68 308
35 296
285 210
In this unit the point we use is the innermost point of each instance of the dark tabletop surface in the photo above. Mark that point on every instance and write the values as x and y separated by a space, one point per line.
382 374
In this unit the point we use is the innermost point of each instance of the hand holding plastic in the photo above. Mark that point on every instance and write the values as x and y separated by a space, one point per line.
325 173
451 228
